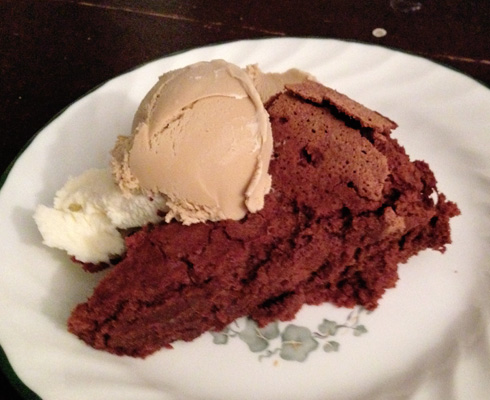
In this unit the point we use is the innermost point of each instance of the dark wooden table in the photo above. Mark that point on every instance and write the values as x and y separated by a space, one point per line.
54 51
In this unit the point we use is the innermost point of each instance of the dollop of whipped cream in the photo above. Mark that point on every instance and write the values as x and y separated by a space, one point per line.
89 213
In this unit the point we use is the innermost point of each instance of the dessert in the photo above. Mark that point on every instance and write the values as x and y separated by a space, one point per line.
346 207
183 161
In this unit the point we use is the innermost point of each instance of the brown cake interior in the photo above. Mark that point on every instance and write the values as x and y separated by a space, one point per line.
347 206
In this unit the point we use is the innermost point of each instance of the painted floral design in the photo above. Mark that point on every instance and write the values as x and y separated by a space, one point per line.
295 342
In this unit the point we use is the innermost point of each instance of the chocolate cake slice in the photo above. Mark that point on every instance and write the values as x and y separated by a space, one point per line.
346 207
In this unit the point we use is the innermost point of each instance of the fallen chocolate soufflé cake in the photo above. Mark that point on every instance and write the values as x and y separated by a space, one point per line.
347 206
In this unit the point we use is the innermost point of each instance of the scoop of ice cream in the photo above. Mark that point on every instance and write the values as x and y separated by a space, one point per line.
88 214
201 138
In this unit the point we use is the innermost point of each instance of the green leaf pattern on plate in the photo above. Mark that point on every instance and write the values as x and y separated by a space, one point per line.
296 342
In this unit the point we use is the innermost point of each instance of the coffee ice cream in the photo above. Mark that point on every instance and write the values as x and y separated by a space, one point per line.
202 139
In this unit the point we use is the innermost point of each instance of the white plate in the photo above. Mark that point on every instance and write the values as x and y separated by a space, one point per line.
429 338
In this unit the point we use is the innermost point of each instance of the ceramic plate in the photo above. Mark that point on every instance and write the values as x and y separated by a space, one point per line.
429 337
